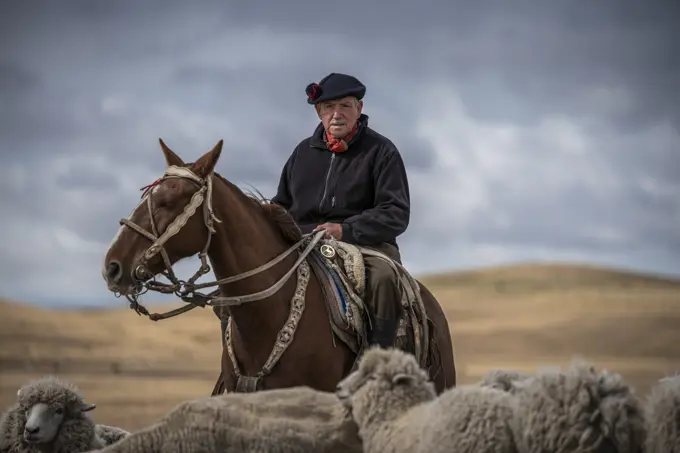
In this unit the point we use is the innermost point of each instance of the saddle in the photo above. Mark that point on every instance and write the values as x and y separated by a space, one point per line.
340 269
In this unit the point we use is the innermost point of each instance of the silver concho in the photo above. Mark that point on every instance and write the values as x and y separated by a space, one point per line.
327 251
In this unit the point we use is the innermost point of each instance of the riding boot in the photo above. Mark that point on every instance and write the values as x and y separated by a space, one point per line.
383 332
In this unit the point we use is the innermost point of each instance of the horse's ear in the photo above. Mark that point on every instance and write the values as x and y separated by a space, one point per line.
206 164
170 157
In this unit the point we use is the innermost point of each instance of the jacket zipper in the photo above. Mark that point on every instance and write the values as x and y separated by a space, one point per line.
325 187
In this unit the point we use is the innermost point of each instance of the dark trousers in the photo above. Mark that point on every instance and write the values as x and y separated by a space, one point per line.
383 298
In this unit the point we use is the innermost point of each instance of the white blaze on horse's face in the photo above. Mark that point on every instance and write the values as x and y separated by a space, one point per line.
111 285
115 239
142 203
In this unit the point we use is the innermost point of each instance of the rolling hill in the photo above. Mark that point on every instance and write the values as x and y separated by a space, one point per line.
518 317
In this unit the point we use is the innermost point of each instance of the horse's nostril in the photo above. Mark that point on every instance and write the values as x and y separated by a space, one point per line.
114 271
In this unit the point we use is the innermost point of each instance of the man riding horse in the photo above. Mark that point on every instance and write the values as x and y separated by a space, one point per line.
350 181
345 181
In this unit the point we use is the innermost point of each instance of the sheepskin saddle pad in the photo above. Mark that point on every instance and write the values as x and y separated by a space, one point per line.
340 268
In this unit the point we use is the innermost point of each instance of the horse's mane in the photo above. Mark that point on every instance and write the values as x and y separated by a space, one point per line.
273 212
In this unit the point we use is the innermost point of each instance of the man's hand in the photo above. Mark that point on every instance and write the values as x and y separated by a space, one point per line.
332 229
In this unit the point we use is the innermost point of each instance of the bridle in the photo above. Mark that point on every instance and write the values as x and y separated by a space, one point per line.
141 273
144 279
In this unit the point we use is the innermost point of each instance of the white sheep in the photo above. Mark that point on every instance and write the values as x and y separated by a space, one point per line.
502 379
109 434
396 408
576 410
662 415
287 420
50 416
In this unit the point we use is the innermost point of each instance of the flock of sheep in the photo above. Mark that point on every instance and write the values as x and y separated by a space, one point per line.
387 405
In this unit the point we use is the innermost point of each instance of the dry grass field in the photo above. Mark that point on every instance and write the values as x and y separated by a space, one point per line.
519 317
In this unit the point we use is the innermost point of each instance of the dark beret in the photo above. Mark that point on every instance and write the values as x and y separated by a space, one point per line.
334 86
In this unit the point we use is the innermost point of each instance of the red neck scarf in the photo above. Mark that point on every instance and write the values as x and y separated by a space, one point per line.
339 145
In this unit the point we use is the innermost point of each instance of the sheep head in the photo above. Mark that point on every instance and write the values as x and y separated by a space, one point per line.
663 416
49 407
577 410
386 383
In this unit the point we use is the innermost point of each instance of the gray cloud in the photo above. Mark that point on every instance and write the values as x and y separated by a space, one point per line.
530 131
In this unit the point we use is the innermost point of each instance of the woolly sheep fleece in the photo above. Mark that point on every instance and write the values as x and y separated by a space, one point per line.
76 433
397 410
110 434
577 410
662 413
502 379
289 420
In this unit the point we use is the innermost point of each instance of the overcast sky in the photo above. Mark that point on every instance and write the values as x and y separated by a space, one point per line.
530 130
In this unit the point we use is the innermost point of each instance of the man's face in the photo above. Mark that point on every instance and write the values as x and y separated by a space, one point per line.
339 115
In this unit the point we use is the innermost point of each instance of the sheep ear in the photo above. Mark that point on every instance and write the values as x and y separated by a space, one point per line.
87 407
402 379
19 392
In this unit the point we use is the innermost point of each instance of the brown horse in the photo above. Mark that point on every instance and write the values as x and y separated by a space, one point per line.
254 248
